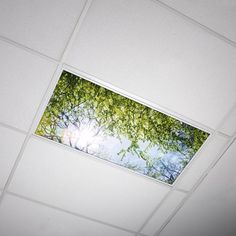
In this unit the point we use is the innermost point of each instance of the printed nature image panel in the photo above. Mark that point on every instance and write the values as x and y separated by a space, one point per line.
95 120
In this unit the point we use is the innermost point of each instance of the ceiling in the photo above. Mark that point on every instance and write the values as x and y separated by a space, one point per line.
176 56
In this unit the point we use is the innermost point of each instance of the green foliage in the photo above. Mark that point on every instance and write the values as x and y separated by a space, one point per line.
75 98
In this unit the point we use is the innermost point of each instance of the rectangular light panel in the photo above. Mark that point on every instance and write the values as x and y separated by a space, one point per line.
95 120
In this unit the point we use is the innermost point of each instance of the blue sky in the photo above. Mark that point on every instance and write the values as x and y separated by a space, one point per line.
102 145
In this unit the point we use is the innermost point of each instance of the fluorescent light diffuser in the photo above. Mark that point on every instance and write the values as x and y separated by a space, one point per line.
95 120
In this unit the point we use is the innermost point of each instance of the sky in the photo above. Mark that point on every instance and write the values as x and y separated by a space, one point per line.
87 139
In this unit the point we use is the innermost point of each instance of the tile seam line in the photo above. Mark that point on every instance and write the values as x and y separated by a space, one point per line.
225 118
31 129
175 188
196 23
67 148
20 154
35 52
3 125
27 49
172 189
45 56
70 212
231 139
158 233
76 29
48 89
195 187
154 211
162 4
156 106
97 159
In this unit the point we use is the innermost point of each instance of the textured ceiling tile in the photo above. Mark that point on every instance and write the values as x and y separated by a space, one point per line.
211 210
220 16
24 80
164 211
209 153
79 183
148 51
11 142
22 217
43 25
229 124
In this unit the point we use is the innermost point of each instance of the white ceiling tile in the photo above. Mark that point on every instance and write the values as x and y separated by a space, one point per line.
11 142
74 181
22 217
43 25
164 211
24 80
211 210
148 51
229 125
203 160
220 16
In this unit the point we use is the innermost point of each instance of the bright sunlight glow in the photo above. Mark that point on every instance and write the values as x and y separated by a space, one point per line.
84 138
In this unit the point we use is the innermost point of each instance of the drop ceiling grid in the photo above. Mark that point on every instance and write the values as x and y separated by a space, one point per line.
12 128
48 91
76 196
16 214
61 62
67 212
194 188
227 124
188 193
191 12
225 135
28 49
113 45
228 194
195 22
158 206
39 23
46 96
55 76
32 126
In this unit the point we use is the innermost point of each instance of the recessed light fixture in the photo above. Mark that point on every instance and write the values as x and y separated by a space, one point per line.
100 122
